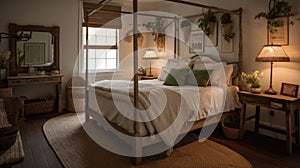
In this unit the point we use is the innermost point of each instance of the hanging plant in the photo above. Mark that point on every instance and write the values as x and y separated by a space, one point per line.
158 28
277 9
227 27
207 22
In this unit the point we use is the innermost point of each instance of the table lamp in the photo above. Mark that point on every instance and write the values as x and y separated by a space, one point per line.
272 53
150 54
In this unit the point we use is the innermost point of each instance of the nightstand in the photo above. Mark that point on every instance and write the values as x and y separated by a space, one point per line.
278 103
147 77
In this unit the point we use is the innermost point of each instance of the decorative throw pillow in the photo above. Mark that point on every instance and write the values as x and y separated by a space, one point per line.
198 77
217 77
178 63
176 77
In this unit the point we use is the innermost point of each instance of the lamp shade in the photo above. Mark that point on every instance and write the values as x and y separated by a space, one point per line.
272 53
150 54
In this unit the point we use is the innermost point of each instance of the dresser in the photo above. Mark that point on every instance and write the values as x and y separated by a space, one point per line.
276 103
33 80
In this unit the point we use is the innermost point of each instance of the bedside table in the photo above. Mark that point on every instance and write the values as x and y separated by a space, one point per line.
277 102
147 77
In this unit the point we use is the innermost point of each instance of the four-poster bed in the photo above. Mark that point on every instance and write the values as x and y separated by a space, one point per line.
136 126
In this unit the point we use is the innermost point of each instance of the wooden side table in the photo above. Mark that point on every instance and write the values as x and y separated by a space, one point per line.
286 104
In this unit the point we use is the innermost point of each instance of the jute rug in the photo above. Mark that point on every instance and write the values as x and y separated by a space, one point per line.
74 148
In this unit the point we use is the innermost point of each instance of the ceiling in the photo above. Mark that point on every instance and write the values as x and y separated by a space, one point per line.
142 4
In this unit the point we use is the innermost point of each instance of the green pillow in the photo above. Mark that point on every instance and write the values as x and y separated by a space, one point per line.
198 77
176 77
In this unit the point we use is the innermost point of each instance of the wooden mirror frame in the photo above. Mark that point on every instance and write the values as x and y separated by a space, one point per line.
14 69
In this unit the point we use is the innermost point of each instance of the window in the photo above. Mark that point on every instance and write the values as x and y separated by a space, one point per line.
102 48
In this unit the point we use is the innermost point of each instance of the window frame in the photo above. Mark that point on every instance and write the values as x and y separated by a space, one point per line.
108 47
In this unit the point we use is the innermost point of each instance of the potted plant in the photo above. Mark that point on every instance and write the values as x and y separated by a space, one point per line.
4 62
227 26
186 29
207 22
251 81
40 70
158 28
277 9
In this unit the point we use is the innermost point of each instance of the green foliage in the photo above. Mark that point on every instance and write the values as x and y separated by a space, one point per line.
185 23
4 59
226 18
158 26
205 20
252 78
229 36
277 8
40 68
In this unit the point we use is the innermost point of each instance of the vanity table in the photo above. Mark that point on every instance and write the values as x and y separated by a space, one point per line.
37 80
38 51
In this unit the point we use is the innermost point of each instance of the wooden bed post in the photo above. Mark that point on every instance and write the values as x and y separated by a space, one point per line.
87 118
137 146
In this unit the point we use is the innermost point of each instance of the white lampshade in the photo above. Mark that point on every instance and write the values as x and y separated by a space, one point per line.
272 53
150 54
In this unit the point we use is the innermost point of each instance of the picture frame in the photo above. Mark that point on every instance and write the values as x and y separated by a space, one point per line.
278 31
196 42
289 89
227 46
34 53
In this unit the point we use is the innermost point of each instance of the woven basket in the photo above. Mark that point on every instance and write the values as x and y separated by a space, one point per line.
35 106
230 127
75 94
8 137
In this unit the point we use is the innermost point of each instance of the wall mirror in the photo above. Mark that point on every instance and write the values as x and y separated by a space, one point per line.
40 48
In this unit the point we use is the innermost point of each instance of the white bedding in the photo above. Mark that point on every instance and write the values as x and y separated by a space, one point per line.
199 103
211 98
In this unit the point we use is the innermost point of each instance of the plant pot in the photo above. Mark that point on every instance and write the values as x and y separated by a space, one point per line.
256 90
227 28
248 87
160 41
211 26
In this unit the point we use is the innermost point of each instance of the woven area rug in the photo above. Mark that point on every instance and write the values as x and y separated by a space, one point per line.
74 148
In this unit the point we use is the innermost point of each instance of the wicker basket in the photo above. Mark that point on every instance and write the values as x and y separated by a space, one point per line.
35 106
230 127
75 94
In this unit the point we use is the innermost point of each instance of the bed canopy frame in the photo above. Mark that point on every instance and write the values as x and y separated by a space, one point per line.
103 3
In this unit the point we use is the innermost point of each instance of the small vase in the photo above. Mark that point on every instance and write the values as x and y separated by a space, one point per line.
256 90
248 87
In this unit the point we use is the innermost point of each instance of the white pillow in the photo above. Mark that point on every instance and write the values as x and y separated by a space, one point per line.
172 63
217 77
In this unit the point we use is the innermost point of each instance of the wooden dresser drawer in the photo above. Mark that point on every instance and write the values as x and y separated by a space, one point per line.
16 81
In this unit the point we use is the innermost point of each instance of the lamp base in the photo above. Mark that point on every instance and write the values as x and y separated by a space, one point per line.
150 75
270 91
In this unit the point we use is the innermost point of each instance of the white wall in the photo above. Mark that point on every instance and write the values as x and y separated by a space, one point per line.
62 13
254 37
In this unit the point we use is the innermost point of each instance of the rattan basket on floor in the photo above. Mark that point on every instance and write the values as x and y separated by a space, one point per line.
230 127
75 94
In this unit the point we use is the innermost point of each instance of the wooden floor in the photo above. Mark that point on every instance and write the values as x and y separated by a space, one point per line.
260 150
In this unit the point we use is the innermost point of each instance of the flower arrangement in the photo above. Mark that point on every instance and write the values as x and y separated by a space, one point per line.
4 59
252 78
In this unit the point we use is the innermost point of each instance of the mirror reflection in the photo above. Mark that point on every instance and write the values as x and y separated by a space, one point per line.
37 51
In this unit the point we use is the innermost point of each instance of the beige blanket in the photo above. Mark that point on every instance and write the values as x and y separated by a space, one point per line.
164 115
